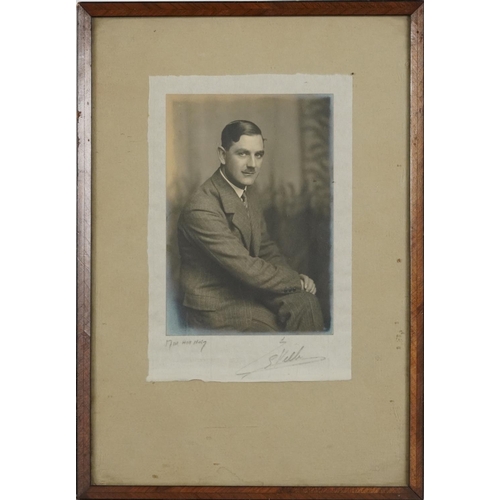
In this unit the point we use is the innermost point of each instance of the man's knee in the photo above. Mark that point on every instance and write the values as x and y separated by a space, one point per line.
302 300
305 305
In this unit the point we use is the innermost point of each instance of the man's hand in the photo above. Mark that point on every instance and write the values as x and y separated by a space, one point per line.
307 284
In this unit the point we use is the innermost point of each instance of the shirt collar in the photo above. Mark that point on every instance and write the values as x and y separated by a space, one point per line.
237 190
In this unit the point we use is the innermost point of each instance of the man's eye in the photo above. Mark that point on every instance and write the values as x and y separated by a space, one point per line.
241 154
259 155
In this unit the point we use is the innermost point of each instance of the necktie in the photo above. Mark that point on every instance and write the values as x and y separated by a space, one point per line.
245 203
244 199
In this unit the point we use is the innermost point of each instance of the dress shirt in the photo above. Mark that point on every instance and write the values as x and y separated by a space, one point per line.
237 190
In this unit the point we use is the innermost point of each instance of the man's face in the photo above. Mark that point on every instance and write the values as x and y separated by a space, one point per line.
241 163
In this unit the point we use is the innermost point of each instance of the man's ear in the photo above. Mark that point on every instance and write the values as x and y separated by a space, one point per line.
222 155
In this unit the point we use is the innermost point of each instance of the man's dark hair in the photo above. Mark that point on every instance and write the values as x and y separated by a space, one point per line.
234 130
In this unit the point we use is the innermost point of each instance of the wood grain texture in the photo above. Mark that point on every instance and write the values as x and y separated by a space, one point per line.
417 252
83 250
185 9
247 493
86 11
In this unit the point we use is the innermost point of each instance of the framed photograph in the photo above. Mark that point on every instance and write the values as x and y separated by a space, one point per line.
250 250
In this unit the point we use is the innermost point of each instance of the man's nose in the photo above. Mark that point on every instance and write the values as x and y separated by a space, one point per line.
251 161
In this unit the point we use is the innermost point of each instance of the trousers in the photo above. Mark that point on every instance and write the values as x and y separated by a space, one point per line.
296 312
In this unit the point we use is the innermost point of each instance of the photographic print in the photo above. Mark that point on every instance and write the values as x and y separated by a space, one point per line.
249 239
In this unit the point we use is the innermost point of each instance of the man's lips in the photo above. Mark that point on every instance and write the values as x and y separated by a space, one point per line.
248 173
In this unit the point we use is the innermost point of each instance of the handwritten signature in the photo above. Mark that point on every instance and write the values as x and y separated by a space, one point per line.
282 356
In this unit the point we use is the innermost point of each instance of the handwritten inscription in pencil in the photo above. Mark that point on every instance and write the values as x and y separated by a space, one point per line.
286 354
183 343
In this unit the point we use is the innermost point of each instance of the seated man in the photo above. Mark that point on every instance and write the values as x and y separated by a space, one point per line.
233 276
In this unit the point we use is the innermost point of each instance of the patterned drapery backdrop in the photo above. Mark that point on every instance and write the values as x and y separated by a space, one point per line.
294 183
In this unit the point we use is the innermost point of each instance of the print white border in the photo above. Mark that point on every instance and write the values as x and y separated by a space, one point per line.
256 358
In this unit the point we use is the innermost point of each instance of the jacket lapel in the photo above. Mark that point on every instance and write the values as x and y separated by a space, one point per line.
231 204
254 214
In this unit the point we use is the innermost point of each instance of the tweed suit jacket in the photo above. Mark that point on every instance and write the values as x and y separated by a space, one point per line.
228 260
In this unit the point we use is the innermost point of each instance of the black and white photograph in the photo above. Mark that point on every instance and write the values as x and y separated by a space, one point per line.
249 202
249 241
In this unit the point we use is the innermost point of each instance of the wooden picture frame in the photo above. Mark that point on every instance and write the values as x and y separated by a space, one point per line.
89 10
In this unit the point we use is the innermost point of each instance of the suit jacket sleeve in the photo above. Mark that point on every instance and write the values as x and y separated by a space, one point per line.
210 232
